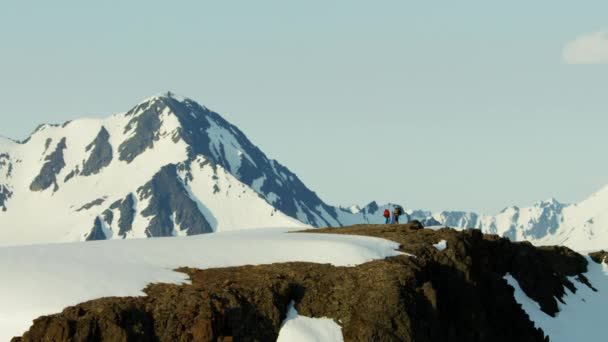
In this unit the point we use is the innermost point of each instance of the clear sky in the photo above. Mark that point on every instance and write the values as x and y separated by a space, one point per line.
471 105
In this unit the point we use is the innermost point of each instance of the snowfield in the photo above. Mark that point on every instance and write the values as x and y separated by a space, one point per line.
582 318
44 279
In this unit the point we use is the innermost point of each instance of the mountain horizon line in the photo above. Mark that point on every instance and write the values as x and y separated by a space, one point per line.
167 139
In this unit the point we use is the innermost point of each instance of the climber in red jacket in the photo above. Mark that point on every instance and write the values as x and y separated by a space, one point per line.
387 216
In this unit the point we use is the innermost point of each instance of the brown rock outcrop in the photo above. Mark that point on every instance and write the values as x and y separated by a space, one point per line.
599 257
457 294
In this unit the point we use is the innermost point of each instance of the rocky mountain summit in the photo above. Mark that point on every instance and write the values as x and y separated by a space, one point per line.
450 286
168 166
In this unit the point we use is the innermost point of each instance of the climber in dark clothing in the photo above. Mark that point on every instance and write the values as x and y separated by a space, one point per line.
396 213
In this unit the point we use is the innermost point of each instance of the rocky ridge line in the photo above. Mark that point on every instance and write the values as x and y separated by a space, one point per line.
458 294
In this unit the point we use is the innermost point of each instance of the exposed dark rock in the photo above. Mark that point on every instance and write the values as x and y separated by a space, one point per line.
458 294
599 257
47 143
39 128
146 127
126 208
101 154
5 194
284 188
24 141
541 271
169 201
530 271
290 191
415 225
54 163
92 204
97 231
71 175
6 167
108 216
371 209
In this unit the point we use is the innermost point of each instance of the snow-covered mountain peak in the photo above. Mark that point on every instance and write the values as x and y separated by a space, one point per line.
168 166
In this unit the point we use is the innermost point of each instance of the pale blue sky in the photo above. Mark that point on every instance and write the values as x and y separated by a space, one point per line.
439 105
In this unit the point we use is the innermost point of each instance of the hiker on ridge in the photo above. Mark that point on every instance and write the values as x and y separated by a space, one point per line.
387 216
396 213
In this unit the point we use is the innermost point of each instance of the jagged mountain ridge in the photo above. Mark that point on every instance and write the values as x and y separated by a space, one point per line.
168 166
582 226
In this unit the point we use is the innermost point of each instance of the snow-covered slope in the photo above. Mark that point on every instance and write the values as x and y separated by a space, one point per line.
44 279
298 328
581 316
169 166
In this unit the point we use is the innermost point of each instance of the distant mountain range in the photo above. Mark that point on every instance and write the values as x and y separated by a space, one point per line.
171 167
582 226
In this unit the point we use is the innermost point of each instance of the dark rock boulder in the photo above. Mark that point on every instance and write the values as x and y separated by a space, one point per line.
415 225
599 257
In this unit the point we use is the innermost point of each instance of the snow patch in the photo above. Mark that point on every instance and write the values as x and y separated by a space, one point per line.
441 245
581 317
44 279
272 198
298 328
258 183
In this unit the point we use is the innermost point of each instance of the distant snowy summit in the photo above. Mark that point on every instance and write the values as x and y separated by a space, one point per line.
582 226
167 167
170 166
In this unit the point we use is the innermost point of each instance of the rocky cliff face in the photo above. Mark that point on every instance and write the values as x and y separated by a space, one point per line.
455 294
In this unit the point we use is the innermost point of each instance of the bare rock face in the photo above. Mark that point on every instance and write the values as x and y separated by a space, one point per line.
167 197
599 257
53 164
100 154
457 294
